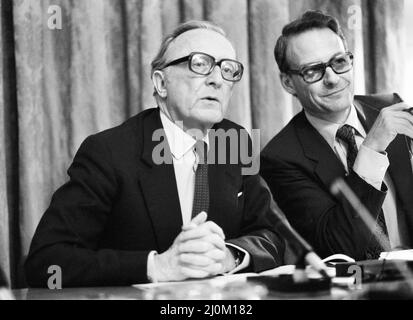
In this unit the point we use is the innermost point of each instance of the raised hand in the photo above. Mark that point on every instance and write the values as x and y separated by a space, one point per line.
391 121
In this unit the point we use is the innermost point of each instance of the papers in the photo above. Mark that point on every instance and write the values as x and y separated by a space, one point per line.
230 283
290 269
216 281
286 269
406 255
232 278
226 287
229 287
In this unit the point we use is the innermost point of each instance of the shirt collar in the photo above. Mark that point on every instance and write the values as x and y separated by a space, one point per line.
329 129
179 141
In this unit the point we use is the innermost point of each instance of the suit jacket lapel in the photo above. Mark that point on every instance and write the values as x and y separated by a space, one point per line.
224 180
328 166
401 172
223 194
158 185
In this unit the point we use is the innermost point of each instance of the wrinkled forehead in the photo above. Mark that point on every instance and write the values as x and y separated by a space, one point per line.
316 45
201 40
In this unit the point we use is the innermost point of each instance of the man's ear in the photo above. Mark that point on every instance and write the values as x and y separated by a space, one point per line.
159 83
287 83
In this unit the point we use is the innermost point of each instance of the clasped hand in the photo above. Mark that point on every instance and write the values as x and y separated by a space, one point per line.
199 251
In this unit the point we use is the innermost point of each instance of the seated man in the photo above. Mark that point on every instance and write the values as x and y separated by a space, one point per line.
360 139
138 208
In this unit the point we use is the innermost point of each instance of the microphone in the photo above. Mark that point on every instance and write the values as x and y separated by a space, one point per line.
340 187
298 243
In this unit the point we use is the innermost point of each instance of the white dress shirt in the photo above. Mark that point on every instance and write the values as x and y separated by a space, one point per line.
370 165
185 161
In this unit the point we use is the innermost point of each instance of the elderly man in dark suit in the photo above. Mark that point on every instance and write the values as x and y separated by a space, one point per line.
363 139
145 202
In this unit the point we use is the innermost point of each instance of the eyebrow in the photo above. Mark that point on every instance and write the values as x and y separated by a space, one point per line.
319 61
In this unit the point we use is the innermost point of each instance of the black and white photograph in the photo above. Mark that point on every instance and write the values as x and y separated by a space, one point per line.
223 151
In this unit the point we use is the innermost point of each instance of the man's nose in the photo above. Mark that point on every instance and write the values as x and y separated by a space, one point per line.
330 77
215 77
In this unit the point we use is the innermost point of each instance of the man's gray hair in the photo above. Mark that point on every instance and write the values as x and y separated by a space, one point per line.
159 60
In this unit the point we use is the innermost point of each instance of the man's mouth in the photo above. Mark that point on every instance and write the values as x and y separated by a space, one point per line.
211 99
334 92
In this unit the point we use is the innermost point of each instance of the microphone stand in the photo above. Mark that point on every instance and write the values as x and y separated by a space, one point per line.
340 187
297 242
299 281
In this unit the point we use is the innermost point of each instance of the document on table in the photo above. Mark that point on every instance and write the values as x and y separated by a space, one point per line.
218 280
223 280
406 255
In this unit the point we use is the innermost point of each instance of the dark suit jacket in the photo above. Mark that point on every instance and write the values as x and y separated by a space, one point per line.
299 167
118 206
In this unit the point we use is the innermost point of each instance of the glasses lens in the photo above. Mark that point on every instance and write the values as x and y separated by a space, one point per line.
342 63
231 70
201 63
313 73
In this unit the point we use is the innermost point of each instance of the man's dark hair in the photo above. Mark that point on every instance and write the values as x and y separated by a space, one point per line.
309 20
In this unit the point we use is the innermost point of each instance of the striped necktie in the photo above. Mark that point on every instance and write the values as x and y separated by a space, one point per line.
346 134
201 192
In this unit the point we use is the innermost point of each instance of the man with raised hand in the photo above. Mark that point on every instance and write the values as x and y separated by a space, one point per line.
363 139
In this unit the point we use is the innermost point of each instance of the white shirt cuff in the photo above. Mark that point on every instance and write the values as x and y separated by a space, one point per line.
371 166
151 272
245 261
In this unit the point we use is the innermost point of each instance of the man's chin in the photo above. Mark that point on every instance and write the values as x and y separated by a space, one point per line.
337 102
210 116
203 121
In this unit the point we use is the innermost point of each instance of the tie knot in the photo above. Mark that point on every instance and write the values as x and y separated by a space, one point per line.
201 150
345 133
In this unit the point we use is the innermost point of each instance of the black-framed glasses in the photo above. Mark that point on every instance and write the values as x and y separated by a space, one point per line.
340 63
203 64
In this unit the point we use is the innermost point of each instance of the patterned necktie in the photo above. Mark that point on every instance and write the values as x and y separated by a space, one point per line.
201 193
376 247
346 134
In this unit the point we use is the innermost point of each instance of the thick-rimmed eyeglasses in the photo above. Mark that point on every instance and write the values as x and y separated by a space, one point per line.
340 63
203 64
